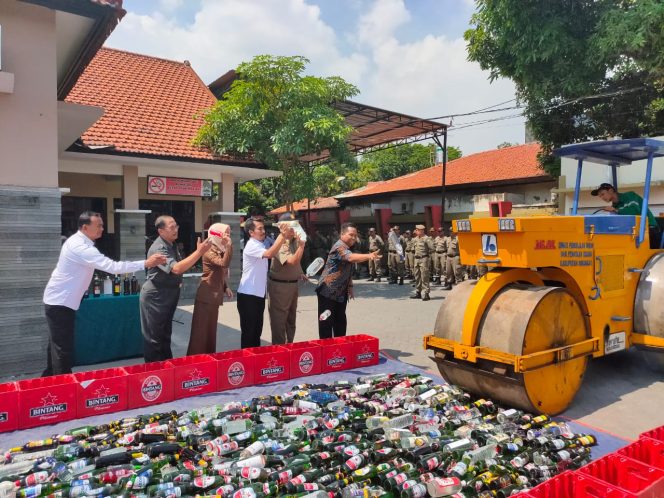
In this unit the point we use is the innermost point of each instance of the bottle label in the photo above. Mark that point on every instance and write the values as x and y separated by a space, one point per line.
32 491
36 478
250 472
203 481
432 463
284 476
400 478
301 479
354 462
245 493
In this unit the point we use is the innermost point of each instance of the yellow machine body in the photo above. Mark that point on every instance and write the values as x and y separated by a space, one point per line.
560 289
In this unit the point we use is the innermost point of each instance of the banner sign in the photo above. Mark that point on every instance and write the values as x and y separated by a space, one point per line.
167 185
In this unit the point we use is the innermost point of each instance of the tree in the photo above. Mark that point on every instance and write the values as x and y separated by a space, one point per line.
398 161
276 115
504 145
585 69
256 197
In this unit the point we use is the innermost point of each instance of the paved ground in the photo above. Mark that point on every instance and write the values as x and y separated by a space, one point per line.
619 394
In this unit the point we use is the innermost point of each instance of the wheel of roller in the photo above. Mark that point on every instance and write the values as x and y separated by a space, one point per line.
519 320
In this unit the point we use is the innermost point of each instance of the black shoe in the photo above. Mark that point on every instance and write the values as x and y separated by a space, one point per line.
426 297
392 282
377 279
447 287
370 279
417 295
401 281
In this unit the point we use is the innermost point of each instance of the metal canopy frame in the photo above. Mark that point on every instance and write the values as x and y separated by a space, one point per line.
375 128
616 153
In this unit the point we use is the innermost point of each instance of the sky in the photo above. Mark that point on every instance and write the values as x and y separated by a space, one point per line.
407 56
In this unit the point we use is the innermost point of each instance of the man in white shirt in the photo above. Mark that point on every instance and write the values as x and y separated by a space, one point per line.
79 258
253 284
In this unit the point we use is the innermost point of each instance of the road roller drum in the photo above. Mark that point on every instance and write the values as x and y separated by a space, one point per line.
519 320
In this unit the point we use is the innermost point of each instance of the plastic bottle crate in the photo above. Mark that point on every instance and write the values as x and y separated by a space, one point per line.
234 369
8 407
46 400
573 485
629 475
101 391
336 354
149 383
657 433
194 375
305 358
365 350
645 450
272 364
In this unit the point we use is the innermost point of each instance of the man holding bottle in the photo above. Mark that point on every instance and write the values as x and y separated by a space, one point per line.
79 258
161 291
335 286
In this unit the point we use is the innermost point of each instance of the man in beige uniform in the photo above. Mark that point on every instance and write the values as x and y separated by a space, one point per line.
410 253
454 271
282 286
395 256
423 252
375 244
439 257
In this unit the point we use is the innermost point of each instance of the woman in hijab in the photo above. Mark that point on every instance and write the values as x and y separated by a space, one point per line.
211 291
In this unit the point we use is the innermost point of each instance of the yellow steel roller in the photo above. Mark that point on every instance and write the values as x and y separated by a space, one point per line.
520 320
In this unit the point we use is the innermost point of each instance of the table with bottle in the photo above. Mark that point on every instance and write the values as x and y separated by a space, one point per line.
108 324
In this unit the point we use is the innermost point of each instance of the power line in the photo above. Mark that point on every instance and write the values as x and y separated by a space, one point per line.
551 107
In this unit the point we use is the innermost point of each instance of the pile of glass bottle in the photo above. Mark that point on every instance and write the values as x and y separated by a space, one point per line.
383 436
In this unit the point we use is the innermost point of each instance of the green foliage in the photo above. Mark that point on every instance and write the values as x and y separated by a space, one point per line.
585 69
504 145
256 197
276 114
398 161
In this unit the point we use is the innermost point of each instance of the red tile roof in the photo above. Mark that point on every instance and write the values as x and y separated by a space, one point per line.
150 105
499 165
319 203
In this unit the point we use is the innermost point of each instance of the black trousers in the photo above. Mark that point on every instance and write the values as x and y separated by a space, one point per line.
157 306
655 237
60 351
335 324
251 309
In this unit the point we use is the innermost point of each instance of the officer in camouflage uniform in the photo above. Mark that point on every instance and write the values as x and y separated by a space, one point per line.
440 256
454 269
375 244
423 251
395 259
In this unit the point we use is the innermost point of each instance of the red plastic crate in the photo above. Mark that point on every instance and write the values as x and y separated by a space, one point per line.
365 350
194 375
47 400
234 369
336 354
645 450
149 384
101 391
573 485
272 364
657 433
8 407
627 474
304 358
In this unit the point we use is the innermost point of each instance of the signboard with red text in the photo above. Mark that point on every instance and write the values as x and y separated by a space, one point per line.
168 185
